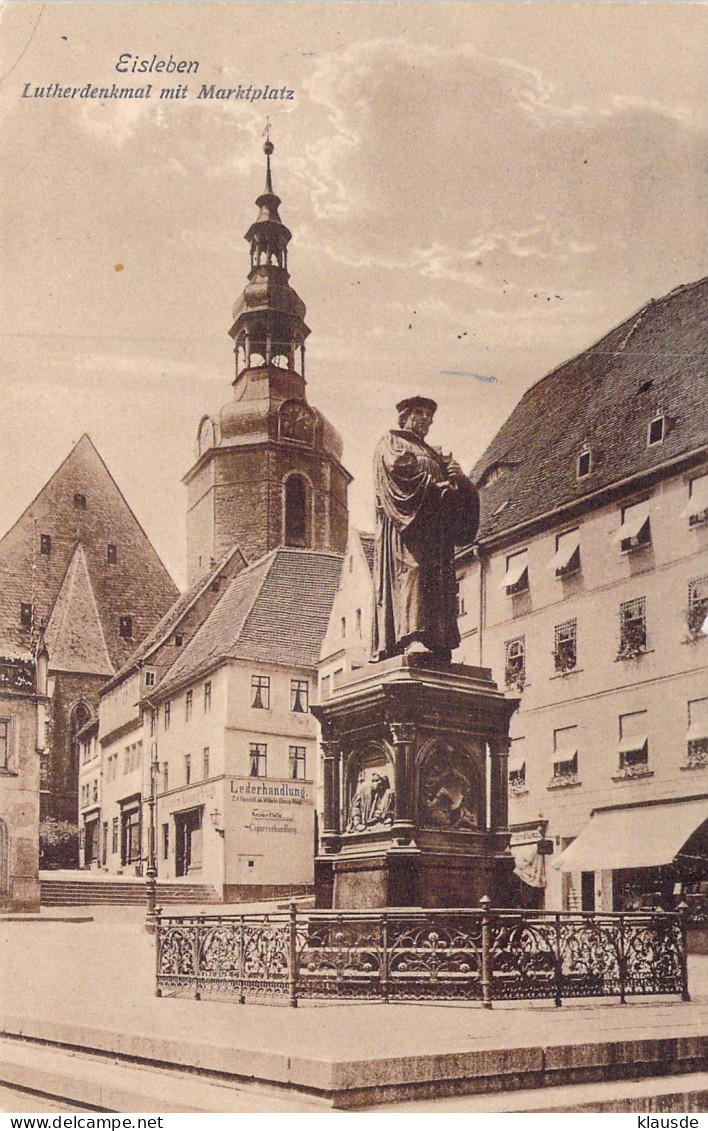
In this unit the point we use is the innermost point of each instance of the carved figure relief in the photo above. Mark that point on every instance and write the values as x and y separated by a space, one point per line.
448 796
297 422
372 803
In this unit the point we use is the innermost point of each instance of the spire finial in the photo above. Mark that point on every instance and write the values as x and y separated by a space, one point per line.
268 149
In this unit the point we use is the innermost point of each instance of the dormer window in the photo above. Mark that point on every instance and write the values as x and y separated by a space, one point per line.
125 627
80 501
656 431
516 578
583 466
635 531
26 615
567 556
149 679
111 554
179 640
45 544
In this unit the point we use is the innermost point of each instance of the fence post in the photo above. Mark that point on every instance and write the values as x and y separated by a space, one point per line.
384 956
292 956
622 960
198 954
158 939
683 912
558 963
486 954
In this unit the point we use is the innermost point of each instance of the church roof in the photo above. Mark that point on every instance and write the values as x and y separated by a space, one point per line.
652 364
275 611
81 504
74 636
173 617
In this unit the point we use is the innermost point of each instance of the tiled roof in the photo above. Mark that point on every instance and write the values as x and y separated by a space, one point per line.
367 545
172 618
654 362
74 636
275 611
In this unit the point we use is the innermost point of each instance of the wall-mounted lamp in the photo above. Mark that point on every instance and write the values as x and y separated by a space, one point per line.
216 821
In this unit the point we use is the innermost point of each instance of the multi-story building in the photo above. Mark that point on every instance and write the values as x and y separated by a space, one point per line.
587 595
234 740
79 572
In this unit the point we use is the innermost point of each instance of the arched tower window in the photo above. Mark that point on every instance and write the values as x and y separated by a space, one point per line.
296 524
80 716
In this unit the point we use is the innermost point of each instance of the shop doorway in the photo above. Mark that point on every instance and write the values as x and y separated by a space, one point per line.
587 890
90 843
188 841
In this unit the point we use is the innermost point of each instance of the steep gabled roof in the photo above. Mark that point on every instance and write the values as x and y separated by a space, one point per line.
367 544
173 617
74 635
81 504
604 398
275 611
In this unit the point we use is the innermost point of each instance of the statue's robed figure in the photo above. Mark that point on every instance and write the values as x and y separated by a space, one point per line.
425 506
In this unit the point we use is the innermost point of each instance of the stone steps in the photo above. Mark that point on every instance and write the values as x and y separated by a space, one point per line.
81 893
115 1084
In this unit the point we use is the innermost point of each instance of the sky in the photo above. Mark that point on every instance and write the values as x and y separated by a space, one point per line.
476 191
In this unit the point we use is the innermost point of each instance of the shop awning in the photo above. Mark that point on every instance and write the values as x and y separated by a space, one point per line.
634 519
698 503
640 836
567 545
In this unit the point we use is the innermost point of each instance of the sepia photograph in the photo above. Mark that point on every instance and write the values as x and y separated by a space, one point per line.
353 559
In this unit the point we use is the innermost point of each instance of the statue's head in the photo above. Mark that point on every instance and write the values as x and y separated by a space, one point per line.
380 783
415 414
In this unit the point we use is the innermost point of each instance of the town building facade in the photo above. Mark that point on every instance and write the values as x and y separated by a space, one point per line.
587 595
80 575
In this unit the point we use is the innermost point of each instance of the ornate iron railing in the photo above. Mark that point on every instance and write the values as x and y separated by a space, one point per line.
481 955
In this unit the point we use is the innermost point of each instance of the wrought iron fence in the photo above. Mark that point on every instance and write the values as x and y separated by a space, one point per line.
481 955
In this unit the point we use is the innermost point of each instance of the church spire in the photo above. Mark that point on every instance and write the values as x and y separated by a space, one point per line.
269 318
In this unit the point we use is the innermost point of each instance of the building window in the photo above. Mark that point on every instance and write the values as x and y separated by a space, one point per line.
584 464
166 841
168 714
634 742
635 531
125 627
299 696
459 598
515 662
80 501
633 629
517 767
516 579
258 752
656 430
295 511
325 686
343 627
358 622
26 615
153 722
697 610
697 734
697 509
165 776
4 744
567 555
260 692
112 554
565 652
149 679
297 762
205 763
114 835
187 769
94 790
188 702
565 756
45 544
179 640
207 697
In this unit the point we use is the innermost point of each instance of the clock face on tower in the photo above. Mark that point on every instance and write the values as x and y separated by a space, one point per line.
297 422
206 435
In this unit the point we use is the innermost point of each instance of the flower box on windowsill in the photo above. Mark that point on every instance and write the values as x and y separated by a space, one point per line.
567 672
630 773
518 790
632 653
563 781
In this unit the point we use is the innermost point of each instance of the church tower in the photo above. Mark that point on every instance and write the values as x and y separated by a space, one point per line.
268 470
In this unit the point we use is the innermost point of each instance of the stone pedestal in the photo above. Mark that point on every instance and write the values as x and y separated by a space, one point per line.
415 788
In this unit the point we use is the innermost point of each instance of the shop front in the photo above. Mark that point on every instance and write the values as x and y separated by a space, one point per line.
91 839
131 833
